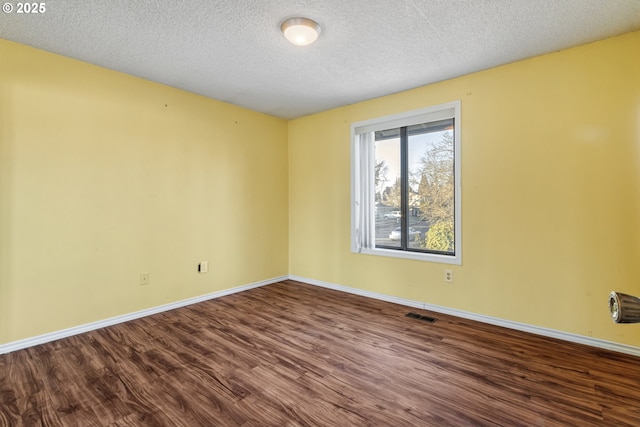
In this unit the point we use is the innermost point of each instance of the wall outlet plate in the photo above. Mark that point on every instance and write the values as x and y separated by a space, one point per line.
203 267
448 276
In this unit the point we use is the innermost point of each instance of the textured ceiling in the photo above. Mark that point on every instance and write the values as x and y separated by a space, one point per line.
232 50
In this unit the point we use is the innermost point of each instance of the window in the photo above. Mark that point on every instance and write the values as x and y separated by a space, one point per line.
405 185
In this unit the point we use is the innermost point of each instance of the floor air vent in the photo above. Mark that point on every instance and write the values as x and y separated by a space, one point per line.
421 317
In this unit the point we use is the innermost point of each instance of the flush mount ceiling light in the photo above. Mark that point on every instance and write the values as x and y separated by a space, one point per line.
300 31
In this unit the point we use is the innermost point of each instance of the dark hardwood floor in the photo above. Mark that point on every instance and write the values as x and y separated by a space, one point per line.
291 354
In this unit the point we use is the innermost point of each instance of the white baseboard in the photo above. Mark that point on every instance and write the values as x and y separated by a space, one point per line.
580 339
53 336
552 333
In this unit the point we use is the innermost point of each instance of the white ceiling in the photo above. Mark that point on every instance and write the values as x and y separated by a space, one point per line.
233 50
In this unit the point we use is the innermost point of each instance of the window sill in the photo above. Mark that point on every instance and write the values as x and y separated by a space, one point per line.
416 256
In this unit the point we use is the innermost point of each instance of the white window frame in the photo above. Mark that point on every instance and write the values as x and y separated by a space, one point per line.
362 196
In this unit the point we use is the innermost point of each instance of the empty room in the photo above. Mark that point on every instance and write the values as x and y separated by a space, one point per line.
297 213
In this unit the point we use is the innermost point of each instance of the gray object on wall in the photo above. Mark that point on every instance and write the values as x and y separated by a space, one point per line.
624 308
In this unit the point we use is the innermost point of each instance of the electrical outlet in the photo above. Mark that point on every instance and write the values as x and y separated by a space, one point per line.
203 267
448 276
144 279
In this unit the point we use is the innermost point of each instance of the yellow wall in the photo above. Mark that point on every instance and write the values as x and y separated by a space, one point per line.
104 176
550 198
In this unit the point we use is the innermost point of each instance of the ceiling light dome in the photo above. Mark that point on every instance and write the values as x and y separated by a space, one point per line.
300 31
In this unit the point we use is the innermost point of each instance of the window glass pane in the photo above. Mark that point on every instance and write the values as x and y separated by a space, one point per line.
387 186
431 186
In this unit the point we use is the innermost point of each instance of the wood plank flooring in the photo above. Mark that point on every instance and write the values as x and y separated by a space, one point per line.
291 354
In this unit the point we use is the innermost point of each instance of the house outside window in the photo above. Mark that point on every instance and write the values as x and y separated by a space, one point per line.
406 185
